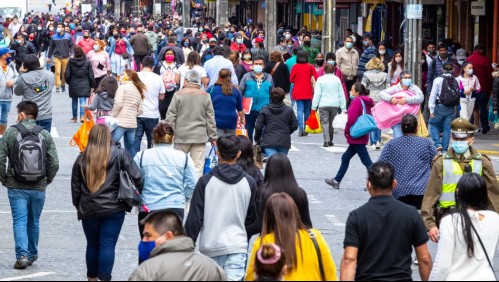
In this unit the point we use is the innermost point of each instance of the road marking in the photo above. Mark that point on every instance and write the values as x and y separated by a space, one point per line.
335 149
334 220
34 275
54 132
43 211
294 149
313 200
489 152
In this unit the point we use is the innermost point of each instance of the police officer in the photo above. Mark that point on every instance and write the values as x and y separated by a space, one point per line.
447 169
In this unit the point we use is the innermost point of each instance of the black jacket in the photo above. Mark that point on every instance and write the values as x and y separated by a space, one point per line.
241 71
274 125
105 200
280 76
80 77
22 51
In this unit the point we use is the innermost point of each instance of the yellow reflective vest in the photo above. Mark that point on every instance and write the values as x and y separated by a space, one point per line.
452 173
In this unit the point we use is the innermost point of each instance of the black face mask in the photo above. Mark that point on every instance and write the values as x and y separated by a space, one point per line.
213 46
116 36
307 43
443 55
319 62
86 36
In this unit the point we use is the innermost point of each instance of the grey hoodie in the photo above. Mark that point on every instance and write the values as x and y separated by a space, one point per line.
11 74
102 102
37 86
176 260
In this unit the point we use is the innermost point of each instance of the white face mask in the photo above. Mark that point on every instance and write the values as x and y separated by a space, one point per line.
382 52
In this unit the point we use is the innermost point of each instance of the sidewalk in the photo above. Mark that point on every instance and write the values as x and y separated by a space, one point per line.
488 144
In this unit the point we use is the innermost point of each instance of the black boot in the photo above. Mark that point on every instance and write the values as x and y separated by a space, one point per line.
331 144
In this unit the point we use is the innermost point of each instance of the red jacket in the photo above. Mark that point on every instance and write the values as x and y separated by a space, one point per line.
301 76
482 67
236 47
354 112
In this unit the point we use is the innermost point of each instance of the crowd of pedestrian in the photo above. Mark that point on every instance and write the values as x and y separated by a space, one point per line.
186 88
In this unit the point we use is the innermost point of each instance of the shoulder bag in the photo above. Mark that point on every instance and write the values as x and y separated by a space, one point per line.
274 69
125 54
485 251
364 125
128 192
318 251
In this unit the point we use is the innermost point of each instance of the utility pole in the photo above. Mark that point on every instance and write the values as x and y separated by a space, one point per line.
413 39
222 12
186 13
270 24
329 24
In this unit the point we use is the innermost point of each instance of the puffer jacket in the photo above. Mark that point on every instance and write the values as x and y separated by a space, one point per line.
23 50
105 200
12 74
127 105
80 77
375 81
274 125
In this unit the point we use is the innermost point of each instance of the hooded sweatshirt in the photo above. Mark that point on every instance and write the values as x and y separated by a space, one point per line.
36 86
275 124
221 207
102 102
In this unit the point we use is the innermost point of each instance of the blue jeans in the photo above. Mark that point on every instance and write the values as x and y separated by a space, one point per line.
441 123
375 136
26 207
269 152
250 124
102 235
83 102
5 109
234 265
303 109
397 131
353 149
144 125
45 123
129 138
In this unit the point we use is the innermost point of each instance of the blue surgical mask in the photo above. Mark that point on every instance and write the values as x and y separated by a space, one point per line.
352 96
145 249
365 42
9 60
18 41
258 69
290 46
96 47
186 44
349 45
239 41
58 30
407 82
331 62
460 147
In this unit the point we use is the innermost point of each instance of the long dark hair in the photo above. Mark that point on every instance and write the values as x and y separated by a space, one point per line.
471 193
394 64
246 160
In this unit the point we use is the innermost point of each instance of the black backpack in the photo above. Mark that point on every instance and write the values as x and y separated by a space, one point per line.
28 156
449 94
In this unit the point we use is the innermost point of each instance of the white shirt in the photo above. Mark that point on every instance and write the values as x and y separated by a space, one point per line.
155 87
185 68
452 262
213 67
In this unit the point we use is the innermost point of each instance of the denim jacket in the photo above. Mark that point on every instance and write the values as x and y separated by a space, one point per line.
112 45
169 177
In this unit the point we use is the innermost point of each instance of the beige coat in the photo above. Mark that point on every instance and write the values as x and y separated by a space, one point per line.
348 62
127 105
434 187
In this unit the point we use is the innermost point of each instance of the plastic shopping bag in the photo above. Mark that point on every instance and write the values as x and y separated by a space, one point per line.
313 123
240 129
80 138
211 160
340 121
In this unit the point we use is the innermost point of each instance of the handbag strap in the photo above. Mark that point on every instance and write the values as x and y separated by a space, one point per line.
485 251
275 67
318 251
363 106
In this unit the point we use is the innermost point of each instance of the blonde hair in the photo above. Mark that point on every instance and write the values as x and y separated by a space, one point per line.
375 64
134 78
101 43
96 157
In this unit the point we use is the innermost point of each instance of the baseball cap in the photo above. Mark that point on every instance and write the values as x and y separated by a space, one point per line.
448 66
4 51
461 54
212 40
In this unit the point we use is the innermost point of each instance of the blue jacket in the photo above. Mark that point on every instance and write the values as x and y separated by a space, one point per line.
249 87
169 177
112 45
61 46
226 106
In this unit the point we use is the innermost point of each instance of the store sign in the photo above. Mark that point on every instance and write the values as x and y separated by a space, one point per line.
414 12
478 8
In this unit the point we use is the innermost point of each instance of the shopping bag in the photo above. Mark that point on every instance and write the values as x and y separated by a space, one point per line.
80 138
43 60
364 124
240 129
211 160
422 129
313 123
340 121
247 104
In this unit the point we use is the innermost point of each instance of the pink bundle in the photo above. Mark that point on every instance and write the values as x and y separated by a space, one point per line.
388 115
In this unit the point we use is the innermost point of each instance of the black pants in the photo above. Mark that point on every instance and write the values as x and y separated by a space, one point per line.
98 80
412 200
138 61
482 100
142 215
165 104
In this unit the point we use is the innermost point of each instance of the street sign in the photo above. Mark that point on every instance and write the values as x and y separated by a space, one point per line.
478 8
414 11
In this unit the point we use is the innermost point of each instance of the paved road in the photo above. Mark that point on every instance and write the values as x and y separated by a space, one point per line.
62 242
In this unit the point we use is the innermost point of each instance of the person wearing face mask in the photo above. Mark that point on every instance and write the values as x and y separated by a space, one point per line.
311 50
461 158
61 47
7 81
203 44
164 240
431 51
395 67
118 47
15 25
186 47
347 60
247 60
368 53
415 97
469 86
22 49
95 189
383 55
460 57
87 43
32 40
258 49
282 47
319 61
101 63
238 44
331 60
443 103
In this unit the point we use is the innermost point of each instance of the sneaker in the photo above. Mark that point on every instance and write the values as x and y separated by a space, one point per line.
371 148
378 146
416 262
73 120
32 260
21 263
485 130
333 183
63 89
58 89
331 144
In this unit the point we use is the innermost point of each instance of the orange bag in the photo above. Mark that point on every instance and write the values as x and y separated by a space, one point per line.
80 138
240 129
